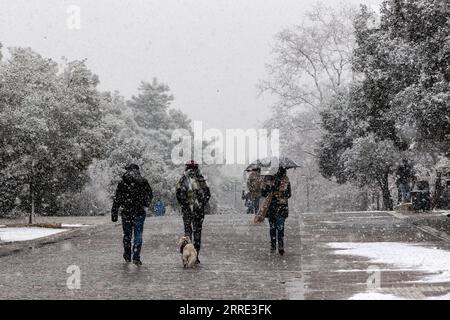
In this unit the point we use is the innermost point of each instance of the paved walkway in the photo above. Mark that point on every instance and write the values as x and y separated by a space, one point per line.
328 275
236 262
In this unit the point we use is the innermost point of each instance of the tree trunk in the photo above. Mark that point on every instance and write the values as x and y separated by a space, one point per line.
387 199
32 195
378 201
365 200
32 200
308 206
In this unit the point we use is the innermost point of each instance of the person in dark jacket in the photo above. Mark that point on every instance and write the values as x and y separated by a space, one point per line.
279 188
159 208
405 176
133 195
249 202
193 194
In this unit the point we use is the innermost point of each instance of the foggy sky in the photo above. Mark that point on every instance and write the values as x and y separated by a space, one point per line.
211 53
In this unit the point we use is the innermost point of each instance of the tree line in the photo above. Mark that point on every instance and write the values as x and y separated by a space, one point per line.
399 105
359 91
64 143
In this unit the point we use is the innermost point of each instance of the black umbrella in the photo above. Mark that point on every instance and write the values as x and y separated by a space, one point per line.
255 165
287 163
266 163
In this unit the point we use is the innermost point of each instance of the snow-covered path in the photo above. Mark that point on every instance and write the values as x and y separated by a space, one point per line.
236 263
366 255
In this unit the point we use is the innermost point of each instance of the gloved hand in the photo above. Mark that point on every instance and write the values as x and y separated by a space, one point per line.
186 208
114 217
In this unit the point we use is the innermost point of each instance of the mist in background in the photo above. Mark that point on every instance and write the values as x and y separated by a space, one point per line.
211 53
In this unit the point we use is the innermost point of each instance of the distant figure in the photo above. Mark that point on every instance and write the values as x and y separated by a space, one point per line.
405 176
442 190
279 188
193 195
133 195
438 189
254 187
159 208
249 202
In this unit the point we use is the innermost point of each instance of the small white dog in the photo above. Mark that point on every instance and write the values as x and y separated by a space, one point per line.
188 252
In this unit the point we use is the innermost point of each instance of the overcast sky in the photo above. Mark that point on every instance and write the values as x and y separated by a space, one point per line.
211 53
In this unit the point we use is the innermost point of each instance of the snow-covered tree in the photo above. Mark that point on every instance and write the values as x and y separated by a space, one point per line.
311 63
401 99
49 128
405 62
139 131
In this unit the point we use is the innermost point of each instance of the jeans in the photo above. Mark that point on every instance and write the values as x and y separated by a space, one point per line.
132 224
277 231
256 201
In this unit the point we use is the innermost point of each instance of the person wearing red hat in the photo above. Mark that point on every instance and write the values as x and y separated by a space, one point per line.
193 194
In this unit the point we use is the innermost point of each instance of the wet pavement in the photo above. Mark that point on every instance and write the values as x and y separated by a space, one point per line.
328 275
236 262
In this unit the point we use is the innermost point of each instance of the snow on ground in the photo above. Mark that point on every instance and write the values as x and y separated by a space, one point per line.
23 234
401 255
374 296
75 225
385 296
444 297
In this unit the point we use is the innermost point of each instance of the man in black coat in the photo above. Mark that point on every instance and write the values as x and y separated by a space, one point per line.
133 195
193 194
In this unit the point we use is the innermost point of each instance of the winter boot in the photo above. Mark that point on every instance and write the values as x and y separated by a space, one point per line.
127 257
137 262
281 247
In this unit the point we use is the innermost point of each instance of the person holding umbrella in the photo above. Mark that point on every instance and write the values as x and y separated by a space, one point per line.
254 189
276 190
278 187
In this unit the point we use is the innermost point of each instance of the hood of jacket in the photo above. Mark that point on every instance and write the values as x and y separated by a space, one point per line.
131 176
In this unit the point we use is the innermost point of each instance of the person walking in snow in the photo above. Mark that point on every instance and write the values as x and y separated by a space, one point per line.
278 188
193 194
132 196
249 203
159 208
254 187
405 176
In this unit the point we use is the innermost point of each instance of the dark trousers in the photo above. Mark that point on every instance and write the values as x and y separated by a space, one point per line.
277 231
256 201
193 223
132 224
